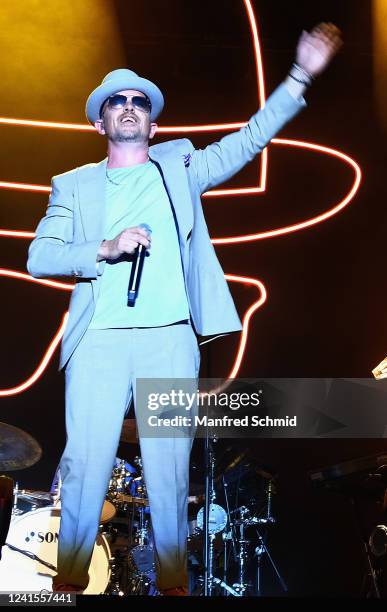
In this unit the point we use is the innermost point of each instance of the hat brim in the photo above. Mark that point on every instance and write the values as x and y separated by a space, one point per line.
108 88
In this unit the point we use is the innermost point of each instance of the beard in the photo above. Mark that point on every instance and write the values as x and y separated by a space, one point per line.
134 134
127 138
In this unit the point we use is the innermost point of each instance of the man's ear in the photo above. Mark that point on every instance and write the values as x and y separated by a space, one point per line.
99 126
153 129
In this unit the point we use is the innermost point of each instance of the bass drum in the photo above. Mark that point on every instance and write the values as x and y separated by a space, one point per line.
37 533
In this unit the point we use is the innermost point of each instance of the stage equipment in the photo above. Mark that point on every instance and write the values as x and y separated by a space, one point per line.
18 450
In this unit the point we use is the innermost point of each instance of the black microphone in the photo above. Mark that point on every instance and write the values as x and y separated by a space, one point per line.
137 265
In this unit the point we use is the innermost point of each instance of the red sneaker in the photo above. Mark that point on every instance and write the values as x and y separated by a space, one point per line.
66 588
175 591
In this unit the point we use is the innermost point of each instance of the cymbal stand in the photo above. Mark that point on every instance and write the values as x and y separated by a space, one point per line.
246 520
261 549
142 535
232 536
15 497
242 586
227 536
208 554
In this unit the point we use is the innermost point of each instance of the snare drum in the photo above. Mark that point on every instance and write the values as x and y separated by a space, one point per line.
36 532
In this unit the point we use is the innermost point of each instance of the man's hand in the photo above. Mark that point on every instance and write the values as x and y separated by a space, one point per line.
316 49
126 242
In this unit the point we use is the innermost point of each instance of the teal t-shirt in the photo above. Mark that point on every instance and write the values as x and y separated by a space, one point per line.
137 195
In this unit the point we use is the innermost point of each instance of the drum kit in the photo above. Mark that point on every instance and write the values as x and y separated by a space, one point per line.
232 537
30 521
123 560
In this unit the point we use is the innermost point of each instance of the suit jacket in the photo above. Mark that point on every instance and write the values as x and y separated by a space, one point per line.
69 236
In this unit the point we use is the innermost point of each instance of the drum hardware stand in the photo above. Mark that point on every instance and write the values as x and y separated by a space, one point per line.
259 552
15 496
230 535
242 586
116 566
210 497
248 521
138 582
261 549
142 535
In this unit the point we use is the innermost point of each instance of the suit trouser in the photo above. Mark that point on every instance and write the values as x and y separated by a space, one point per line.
100 383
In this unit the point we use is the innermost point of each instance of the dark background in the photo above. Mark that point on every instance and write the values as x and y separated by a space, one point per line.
326 291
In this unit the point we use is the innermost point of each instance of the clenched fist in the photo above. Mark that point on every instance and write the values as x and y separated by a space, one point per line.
126 242
316 49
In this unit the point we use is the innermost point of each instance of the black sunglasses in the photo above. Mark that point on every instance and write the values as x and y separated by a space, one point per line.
119 101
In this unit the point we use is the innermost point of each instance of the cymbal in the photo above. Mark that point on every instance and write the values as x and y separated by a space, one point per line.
18 450
129 432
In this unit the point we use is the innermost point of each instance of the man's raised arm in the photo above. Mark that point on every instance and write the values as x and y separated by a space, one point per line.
221 160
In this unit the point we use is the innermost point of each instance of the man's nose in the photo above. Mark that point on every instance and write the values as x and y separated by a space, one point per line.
128 104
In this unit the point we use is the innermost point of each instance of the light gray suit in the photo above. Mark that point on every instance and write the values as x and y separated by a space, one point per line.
66 244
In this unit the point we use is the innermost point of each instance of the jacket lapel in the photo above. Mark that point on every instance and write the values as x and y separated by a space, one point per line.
92 200
175 180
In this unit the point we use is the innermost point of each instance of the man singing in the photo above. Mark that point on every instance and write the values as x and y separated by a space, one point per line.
98 217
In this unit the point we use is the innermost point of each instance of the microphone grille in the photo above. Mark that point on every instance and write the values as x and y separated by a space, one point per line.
146 227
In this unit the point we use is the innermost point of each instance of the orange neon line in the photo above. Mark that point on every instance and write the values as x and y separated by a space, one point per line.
257 53
40 281
260 188
58 336
254 190
24 186
234 192
314 220
176 129
207 127
213 193
16 234
245 190
56 125
212 127
246 319
42 366
168 129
